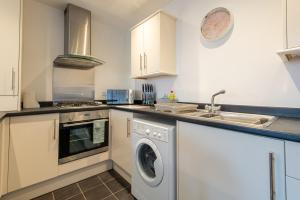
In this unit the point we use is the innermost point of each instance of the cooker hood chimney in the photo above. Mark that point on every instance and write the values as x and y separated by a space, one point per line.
77 51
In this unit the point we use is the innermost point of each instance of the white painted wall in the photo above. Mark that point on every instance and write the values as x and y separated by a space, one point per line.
42 42
246 65
43 36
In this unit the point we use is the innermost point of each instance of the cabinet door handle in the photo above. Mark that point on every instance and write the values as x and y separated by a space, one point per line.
141 57
145 61
13 79
54 134
272 176
128 127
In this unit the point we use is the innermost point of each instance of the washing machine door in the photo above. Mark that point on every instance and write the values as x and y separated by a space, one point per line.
149 162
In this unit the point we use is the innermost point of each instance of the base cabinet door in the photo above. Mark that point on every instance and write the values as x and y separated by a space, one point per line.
219 164
121 152
293 188
33 150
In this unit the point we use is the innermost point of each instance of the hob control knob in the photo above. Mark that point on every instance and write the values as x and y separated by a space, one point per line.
159 135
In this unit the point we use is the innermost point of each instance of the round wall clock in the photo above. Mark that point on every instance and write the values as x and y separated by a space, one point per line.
216 24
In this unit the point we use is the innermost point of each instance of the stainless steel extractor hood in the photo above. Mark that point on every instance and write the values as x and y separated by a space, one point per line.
77 51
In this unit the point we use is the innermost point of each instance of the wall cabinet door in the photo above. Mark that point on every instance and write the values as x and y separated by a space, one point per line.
10 15
293 23
216 164
137 45
121 152
33 150
153 47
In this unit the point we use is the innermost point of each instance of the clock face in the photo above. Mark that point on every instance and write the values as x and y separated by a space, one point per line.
216 24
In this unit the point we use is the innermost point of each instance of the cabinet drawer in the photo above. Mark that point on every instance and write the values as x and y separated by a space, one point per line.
293 159
293 188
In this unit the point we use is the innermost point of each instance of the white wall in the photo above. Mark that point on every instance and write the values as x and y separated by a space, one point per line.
42 42
43 36
246 65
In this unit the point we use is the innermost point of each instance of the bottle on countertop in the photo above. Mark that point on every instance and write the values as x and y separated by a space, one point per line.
172 96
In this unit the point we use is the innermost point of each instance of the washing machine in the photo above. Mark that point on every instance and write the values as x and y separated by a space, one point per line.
154 167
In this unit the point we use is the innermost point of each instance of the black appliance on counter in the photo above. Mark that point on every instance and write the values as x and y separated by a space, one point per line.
82 134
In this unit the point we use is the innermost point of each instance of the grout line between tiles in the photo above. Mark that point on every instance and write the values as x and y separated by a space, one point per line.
108 196
74 194
92 187
81 191
120 190
107 187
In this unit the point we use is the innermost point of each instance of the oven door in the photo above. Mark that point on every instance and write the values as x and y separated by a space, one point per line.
82 139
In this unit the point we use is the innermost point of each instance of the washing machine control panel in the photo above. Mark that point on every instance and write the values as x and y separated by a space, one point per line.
151 131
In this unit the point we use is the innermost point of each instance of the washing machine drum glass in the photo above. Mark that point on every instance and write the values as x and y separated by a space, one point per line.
149 163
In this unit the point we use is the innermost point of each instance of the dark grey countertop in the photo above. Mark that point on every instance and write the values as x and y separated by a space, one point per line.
283 128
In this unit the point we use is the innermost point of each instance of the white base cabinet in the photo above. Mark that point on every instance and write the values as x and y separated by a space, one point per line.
121 149
219 164
292 188
33 150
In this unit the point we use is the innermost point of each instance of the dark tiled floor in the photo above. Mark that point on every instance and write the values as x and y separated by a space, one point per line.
107 186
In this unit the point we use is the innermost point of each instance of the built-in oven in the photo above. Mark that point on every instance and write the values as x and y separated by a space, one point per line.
82 134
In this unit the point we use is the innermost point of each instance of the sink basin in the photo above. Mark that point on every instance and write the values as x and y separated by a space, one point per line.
133 106
244 119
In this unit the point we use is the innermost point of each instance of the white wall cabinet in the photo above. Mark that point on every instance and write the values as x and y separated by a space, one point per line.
121 152
33 150
293 23
153 47
216 164
10 48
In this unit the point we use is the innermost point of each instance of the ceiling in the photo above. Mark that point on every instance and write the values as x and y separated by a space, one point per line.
120 13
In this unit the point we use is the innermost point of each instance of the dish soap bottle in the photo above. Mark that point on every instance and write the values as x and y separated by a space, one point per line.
172 96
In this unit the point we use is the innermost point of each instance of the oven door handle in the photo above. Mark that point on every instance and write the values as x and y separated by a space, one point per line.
81 123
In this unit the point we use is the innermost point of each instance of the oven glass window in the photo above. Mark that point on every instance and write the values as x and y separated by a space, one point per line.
81 139
76 139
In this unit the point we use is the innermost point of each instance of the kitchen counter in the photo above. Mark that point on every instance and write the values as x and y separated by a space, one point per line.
283 128
49 110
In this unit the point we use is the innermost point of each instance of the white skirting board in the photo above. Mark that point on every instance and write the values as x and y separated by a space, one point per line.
123 173
59 182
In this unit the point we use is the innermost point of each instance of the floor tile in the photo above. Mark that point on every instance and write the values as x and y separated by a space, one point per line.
48 196
89 183
124 195
97 193
66 192
115 185
108 176
111 197
77 197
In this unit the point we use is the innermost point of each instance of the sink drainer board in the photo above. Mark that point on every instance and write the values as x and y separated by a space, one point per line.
244 119
175 108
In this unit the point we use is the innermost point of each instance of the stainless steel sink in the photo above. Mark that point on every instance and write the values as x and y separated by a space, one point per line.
134 106
252 120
